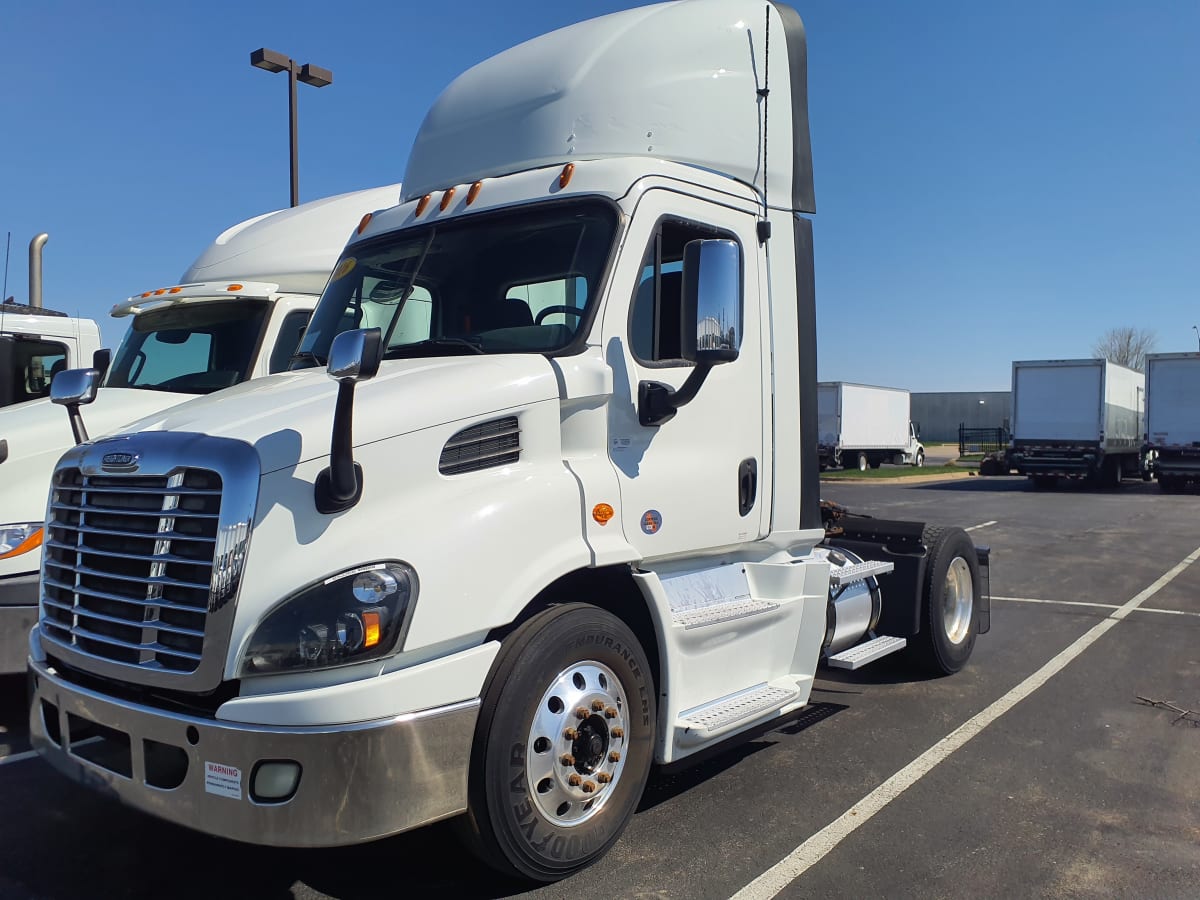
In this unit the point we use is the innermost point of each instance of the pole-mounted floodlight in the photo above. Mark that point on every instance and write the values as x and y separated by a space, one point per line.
271 61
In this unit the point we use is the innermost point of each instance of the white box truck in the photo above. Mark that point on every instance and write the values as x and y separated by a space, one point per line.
863 426
237 313
1078 419
1173 419
554 519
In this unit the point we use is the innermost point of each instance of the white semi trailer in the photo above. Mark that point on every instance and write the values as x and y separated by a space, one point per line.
1173 419
237 313
1076 418
573 528
863 426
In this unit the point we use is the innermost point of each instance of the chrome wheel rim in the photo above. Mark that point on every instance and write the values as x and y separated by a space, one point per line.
958 602
575 751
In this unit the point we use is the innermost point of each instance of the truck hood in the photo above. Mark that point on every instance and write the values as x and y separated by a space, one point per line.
38 433
289 417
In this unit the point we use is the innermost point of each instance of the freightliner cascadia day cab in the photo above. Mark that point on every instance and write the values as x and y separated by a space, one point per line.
1077 419
863 426
1173 419
556 518
35 344
237 314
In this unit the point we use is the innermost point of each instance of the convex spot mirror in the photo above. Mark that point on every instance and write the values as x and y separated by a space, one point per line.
354 355
712 301
74 386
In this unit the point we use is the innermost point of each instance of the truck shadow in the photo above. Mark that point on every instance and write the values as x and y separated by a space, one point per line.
14 715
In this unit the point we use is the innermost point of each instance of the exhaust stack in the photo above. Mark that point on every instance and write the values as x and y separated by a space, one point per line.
35 269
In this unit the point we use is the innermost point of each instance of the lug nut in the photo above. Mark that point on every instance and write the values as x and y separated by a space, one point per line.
603 777
614 756
597 705
589 786
618 732
575 780
611 712
581 713
567 759
570 734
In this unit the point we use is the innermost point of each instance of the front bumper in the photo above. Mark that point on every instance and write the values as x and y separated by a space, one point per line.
358 781
18 615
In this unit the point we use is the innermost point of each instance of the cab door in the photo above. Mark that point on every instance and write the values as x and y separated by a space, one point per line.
697 481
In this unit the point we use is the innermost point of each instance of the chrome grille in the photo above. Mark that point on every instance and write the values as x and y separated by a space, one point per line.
495 443
129 565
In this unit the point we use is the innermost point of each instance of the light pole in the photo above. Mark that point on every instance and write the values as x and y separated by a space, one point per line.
1197 330
271 61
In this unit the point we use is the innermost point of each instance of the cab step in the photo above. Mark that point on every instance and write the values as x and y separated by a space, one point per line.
702 723
861 654
715 613
839 577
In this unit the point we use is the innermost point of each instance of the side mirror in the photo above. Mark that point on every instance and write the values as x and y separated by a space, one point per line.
712 301
73 388
101 360
354 356
712 304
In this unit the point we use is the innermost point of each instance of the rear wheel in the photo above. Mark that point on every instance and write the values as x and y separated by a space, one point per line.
563 744
949 604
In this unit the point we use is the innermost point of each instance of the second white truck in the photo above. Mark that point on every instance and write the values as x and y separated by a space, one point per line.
1173 419
1076 418
863 426
35 344
238 313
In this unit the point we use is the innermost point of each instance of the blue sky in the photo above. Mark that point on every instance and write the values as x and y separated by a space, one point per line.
994 181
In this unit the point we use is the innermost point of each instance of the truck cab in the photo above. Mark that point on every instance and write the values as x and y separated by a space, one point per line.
236 315
37 343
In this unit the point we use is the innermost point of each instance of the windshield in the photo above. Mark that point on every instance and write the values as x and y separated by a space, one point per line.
190 348
518 282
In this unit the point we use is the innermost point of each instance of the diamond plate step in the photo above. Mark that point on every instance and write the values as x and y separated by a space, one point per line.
858 656
721 612
744 705
857 572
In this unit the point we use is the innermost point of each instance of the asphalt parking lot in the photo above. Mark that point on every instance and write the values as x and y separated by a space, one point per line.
1035 772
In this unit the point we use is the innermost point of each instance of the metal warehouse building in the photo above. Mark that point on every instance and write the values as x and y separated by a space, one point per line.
939 413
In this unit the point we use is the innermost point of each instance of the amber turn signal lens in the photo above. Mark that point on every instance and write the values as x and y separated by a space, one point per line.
564 177
602 512
372 629
234 287
364 222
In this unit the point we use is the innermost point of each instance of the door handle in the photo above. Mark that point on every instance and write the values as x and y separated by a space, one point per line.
747 485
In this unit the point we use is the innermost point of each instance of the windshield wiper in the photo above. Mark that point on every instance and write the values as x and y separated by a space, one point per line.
306 356
442 342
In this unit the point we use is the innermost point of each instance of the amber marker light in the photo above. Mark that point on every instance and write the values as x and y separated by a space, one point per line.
147 293
446 198
364 222
175 290
372 629
34 540
160 292
234 287
602 512
564 177
473 192
423 203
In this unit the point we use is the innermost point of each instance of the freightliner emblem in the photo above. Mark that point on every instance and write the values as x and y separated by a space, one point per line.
120 460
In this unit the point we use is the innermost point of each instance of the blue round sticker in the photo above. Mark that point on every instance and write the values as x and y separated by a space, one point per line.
651 521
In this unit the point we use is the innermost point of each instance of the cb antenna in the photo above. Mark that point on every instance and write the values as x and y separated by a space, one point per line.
764 225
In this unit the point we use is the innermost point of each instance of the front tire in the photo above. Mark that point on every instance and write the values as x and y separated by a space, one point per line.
920 462
563 744
950 601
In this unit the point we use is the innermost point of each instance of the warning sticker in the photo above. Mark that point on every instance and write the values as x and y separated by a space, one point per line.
224 781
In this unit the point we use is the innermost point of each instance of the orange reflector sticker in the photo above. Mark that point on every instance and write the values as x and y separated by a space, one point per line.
446 198
474 192
564 177
364 222
234 287
602 512
372 630
422 203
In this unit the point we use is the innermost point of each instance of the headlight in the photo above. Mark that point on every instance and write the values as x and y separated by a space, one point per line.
18 539
350 618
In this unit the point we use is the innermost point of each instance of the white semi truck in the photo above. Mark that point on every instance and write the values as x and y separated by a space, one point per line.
556 517
1173 419
1076 418
237 313
863 426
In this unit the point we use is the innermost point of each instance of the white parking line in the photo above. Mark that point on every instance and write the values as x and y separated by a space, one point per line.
813 850
977 527
17 757
1147 609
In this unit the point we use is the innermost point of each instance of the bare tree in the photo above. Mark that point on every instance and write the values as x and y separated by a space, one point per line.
1126 346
